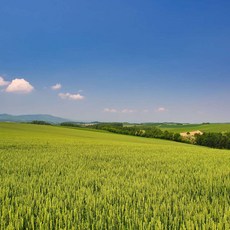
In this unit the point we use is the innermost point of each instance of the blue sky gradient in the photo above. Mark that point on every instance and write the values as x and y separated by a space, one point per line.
129 60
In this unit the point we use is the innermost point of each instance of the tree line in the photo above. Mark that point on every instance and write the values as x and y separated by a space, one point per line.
213 140
142 131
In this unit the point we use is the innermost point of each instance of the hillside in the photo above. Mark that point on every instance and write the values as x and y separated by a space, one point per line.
29 118
75 178
212 127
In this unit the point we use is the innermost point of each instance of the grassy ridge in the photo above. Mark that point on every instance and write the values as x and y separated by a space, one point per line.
56 178
191 127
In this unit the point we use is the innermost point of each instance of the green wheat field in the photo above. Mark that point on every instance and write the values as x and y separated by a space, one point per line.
214 127
63 178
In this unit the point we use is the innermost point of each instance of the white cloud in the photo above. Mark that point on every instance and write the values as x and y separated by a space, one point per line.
145 111
19 86
161 109
56 87
69 96
127 111
3 82
112 110
108 110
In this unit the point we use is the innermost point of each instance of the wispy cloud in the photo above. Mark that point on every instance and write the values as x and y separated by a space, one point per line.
113 110
56 86
127 111
19 85
75 97
110 110
161 109
3 82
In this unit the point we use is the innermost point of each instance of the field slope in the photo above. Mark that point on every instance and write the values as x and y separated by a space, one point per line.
215 127
60 178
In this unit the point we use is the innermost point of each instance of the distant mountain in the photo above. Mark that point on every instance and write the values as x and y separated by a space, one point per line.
33 117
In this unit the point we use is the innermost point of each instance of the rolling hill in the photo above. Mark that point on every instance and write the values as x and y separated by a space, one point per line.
212 127
32 117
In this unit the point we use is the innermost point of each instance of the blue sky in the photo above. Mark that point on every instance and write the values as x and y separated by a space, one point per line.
116 60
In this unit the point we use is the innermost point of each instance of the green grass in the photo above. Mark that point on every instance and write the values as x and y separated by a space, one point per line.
192 127
61 178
